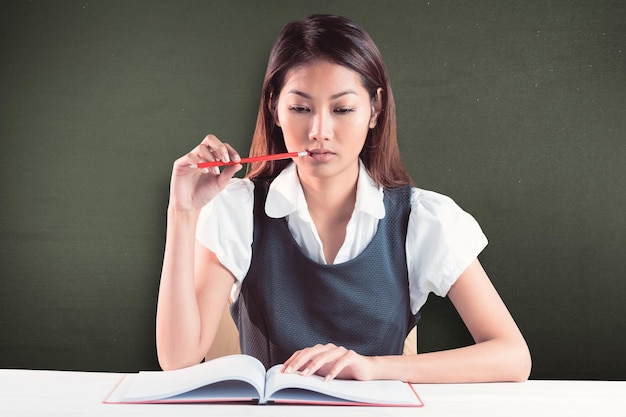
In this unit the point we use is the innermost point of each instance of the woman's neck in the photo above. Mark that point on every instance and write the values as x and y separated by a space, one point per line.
331 195
331 204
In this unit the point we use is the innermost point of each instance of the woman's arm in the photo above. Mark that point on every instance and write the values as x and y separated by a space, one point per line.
194 285
500 352
193 293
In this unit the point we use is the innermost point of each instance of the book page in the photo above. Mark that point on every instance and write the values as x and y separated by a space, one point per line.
160 385
281 387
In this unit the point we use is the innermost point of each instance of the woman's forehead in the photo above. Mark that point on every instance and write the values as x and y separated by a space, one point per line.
323 76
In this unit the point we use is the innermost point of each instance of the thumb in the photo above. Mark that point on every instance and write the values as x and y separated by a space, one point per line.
227 173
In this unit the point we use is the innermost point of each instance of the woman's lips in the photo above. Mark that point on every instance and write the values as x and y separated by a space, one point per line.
321 155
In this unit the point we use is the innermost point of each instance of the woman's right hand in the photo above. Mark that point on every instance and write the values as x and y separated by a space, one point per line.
192 188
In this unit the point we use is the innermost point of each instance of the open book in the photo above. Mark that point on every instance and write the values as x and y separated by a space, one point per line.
242 378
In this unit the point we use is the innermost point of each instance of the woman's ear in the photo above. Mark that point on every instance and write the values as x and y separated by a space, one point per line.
377 107
275 114
272 106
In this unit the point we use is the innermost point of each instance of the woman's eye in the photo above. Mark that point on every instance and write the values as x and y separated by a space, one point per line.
344 110
298 109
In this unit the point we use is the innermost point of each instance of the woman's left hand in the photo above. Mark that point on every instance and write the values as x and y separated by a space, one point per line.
331 361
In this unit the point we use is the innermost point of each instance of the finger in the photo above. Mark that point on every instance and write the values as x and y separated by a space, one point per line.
300 358
340 364
211 141
234 155
293 364
328 357
224 152
205 154
220 150
226 174
288 364
183 163
309 360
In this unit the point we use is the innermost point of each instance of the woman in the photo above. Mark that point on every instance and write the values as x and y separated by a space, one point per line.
333 254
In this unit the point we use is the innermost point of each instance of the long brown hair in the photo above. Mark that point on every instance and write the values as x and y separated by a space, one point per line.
340 41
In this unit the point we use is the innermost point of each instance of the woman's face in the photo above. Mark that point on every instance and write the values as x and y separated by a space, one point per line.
323 108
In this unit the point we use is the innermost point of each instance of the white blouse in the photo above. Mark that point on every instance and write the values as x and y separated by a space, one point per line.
442 239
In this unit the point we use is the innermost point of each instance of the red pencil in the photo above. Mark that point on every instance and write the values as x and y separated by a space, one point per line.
251 159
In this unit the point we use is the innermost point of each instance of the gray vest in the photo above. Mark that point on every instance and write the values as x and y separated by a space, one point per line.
289 302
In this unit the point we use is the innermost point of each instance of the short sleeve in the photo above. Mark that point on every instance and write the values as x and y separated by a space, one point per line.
442 241
225 226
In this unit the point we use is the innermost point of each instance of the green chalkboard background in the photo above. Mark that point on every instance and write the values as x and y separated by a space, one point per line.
517 110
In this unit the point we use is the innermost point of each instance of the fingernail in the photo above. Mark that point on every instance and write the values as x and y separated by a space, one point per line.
288 370
305 372
216 170
327 378
205 170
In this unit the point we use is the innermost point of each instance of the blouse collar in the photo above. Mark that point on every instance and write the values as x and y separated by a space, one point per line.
285 195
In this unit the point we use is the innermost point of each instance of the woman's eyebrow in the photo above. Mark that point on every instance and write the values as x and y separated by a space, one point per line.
333 97
343 93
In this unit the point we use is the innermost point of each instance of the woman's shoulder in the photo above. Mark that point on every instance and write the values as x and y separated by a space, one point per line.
240 185
225 226
432 201
236 189
238 194
442 241
439 211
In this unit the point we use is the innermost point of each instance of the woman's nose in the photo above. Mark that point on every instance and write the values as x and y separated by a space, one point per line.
321 127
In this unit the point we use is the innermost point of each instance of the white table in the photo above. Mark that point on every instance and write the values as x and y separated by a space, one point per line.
67 394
